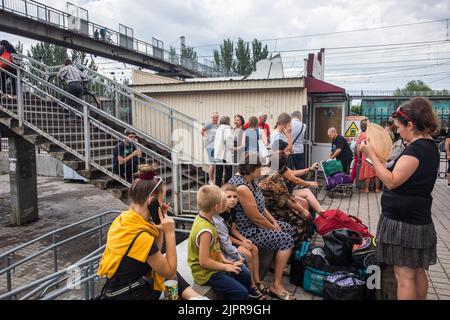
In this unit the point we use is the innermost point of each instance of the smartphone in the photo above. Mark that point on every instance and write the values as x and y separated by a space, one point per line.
154 212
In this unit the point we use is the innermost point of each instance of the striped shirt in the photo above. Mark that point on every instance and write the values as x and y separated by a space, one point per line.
71 74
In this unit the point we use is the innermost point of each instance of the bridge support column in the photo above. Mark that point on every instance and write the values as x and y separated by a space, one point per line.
23 180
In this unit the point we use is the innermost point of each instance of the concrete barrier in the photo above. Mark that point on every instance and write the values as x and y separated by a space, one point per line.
46 165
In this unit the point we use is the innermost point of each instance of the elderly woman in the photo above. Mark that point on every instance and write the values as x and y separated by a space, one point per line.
256 223
406 236
223 151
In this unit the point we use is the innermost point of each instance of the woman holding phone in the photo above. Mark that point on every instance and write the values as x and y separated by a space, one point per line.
133 263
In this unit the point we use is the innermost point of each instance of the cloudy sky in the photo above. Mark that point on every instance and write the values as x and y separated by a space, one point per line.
377 59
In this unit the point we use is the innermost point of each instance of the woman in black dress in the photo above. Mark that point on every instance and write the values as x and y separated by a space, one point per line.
406 237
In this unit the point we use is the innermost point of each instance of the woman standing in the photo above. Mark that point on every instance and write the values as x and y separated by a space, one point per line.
406 236
7 51
223 151
239 144
283 131
366 171
251 136
255 223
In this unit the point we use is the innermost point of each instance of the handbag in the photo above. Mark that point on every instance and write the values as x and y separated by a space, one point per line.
339 245
336 219
344 286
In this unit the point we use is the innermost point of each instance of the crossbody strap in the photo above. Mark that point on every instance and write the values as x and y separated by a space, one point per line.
301 131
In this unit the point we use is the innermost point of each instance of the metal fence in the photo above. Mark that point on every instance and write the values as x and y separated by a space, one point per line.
87 134
54 278
42 13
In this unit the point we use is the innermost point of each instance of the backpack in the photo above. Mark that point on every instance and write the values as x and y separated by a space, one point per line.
336 219
363 254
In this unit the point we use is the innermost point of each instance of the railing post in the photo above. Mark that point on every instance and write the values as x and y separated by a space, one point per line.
20 108
176 183
170 135
55 254
87 138
100 232
8 274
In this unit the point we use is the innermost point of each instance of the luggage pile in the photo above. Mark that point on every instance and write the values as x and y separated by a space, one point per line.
338 270
337 181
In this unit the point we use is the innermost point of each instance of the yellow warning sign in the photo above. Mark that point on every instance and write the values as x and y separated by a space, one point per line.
352 131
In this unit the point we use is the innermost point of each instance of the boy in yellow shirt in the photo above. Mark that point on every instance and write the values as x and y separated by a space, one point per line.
207 264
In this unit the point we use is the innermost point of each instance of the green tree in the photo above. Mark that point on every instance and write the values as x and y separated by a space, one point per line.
48 54
357 109
19 47
413 86
243 65
259 52
173 55
224 58
189 52
79 57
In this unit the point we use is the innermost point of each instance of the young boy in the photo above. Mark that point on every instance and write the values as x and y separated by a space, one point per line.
207 264
230 252
244 246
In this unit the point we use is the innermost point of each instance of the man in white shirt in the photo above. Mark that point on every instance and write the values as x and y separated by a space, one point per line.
298 135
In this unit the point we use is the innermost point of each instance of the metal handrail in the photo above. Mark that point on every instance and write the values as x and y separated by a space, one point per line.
172 58
53 279
92 108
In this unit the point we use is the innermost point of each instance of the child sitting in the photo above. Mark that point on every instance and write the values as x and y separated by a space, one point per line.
207 264
222 222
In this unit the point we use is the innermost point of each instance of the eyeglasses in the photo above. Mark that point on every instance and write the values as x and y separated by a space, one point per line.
402 114
157 185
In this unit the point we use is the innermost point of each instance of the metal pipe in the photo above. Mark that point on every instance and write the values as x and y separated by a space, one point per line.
20 108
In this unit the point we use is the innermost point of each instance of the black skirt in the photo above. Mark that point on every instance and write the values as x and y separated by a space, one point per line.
403 244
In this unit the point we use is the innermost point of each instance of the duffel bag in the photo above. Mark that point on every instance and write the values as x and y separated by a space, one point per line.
297 269
337 179
344 286
336 219
338 246
363 254
331 167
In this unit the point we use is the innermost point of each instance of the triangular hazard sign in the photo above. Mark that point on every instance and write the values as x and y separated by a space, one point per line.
352 131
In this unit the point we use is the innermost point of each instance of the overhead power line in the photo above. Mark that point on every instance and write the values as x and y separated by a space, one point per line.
338 32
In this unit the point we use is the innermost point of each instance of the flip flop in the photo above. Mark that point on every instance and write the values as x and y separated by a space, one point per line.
262 288
283 296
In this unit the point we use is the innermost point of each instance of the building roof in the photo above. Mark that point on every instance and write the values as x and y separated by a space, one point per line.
223 85
318 86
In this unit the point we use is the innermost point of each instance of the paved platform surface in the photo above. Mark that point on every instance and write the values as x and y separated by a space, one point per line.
367 207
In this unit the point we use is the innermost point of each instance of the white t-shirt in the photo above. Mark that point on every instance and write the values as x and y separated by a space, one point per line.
297 126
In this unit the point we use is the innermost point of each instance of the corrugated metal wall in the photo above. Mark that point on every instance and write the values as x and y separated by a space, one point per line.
200 104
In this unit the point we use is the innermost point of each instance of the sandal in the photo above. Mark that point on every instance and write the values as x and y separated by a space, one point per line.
255 294
283 296
262 288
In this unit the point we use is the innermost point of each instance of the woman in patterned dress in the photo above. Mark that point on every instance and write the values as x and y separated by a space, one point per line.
254 222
